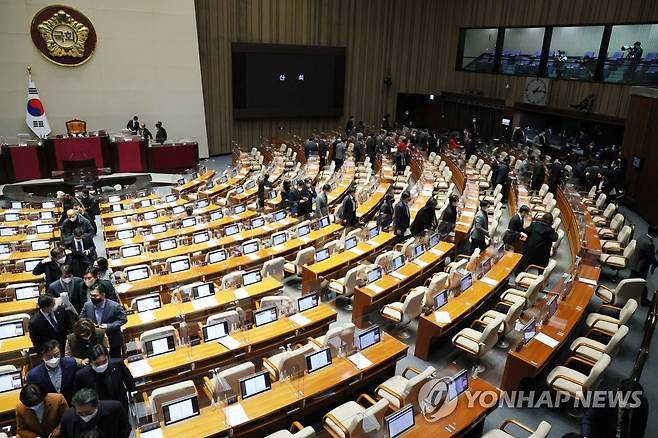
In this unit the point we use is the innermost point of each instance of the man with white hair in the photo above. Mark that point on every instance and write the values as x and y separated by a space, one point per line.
75 220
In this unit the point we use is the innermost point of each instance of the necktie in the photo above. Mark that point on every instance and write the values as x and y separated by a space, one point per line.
79 242
53 321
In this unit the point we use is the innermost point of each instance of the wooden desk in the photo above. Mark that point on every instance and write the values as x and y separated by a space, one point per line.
467 216
14 256
220 188
337 264
467 303
107 217
275 409
24 237
193 361
110 229
129 201
14 307
8 402
391 287
11 349
198 310
131 289
367 209
22 277
340 190
193 183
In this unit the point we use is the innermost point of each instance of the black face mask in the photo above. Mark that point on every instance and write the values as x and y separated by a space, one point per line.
96 301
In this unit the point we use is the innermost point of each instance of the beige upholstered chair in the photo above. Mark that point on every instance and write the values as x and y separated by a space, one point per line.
232 317
619 262
510 314
283 303
592 349
613 318
528 296
273 268
437 284
169 393
345 286
347 420
618 243
340 338
225 384
575 383
525 278
403 312
625 290
288 363
301 432
477 343
542 430
304 257
400 391
232 280
612 229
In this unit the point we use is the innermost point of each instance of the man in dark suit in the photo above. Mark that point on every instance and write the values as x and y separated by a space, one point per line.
133 125
89 413
263 183
401 217
67 283
555 176
480 230
79 296
109 377
51 265
106 314
75 220
92 208
322 152
49 323
449 218
348 214
538 173
160 133
56 373
644 258
83 252
516 226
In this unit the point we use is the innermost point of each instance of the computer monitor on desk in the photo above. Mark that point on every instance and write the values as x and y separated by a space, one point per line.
529 331
466 282
27 292
171 198
179 410
12 217
145 203
160 346
215 331
374 274
434 240
255 384
400 421
167 244
30 264
440 299
239 209
200 237
216 215
373 232
252 277
279 238
10 381
39 245
44 229
188 222
258 222
250 247
119 220
178 209
16 205
131 251
265 316
202 203
158 228
396 263
303 230
278 215
48 204
318 360
125 234
137 274
148 303
11 329
8 231
307 302
417 251
232 229
458 384
323 222
150 215
321 254
116 207
350 243
203 290
368 338
216 256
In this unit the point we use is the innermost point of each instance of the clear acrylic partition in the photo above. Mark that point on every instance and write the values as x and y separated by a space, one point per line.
577 206
20 140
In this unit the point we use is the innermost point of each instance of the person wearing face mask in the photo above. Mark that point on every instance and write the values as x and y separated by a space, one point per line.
81 295
104 270
67 283
51 265
109 377
85 336
106 314
89 413
75 220
49 322
56 373
38 413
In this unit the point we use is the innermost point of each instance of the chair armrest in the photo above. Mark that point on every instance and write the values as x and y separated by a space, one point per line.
536 268
414 370
517 424
392 393
600 350
596 291
272 368
607 321
208 388
585 362
568 379
313 340
609 310
477 341
371 401
502 306
296 425
478 322
338 424
595 333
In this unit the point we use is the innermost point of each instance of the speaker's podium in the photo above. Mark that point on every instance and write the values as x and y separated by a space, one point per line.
22 160
78 149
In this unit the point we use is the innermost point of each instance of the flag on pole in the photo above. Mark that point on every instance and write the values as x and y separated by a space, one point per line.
35 115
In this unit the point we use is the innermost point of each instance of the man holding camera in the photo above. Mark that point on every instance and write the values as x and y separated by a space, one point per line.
634 57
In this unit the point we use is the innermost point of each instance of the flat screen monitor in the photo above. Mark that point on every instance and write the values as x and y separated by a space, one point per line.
265 316
239 209
303 230
552 306
8 231
27 292
458 384
466 282
159 346
170 198
258 222
46 215
529 330
150 215
217 256
279 238
214 331
131 251
48 204
4 248
239 190
271 194
500 251
203 290
113 198
180 410
418 251
250 184
125 234
324 221
250 247
137 274
30 265
117 207
400 421
158 228
486 266
181 181
434 240
350 243
167 244
317 361
188 222
232 229
249 278
397 262
12 217
307 302
440 299
233 171
44 229
223 179
201 237
11 329
255 384
506 121
374 274
216 215
368 338
202 203
16 205
278 215
39 245
179 265
148 303
119 220
11 381
178 209
373 232
321 254
145 203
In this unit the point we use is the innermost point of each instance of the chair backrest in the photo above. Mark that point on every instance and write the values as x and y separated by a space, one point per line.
549 269
232 280
533 290
305 257
479 163
615 340
543 190
283 303
596 371
472 160
591 193
617 222
232 317
158 333
168 393
630 249
490 334
629 288
294 362
332 245
542 430
413 385
406 247
186 290
413 304
227 382
512 315
76 126
624 235
556 223
627 311
560 236
273 268
438 283
342 334
609 210
352 279
377 411
497 190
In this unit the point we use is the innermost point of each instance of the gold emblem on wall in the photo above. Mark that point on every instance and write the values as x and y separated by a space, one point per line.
63 35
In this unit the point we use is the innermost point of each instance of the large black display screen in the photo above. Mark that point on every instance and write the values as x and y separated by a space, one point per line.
274 81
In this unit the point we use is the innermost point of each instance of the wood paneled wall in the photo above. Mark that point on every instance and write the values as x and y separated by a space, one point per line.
415 41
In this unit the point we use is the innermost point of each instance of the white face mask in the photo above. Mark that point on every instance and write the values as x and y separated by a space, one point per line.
88 418
73 219
90 283
100 368
61 260
67 280
53 363
37 406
